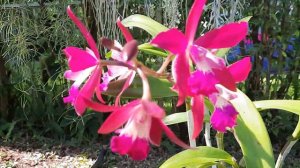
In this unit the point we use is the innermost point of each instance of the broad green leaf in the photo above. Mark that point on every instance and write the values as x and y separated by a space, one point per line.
148 48
287 105
159 88
203 156
175 118
145 23
252 135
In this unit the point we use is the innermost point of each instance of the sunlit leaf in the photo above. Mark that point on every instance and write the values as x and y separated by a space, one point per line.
201 157
145 23
287 105
148 48
252 135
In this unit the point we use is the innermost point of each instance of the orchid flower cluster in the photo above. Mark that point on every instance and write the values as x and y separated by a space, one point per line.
197 73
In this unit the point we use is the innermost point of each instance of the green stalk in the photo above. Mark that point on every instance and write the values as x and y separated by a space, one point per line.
288 146
190 124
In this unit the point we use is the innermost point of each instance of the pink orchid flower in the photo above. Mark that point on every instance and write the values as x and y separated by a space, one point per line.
123 55
225 115
211 70
144 124
83 64
208 66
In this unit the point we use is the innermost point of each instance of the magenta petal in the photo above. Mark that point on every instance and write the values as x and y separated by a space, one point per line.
225 78
193 19
87 91
73 94
172 40
124 30
121 144
198 114
118 118
126 85
84 32
79 59
139 150
100 107
155 132
224 37
202 83
181 74
153 109
172 136
240 69
224 117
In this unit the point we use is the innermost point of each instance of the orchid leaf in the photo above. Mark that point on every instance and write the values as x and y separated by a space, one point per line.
286 105
159 88
252 135
148 48
203 156
145 23
180 118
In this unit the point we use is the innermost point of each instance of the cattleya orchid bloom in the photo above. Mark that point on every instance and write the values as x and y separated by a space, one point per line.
125 54
185 48
83 64
225 115
210 70
144 124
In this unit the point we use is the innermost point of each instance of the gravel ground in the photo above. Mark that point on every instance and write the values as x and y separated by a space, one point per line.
33 154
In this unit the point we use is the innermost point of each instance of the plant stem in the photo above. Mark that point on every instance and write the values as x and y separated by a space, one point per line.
288 146
219 138
207 130
190 124
284 152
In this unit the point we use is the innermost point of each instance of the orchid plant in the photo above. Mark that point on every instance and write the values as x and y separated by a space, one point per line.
199 76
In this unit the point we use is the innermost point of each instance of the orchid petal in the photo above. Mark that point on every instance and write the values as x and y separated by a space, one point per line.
223 118
87 91
240 69
193 19
130 50
139 150
226 36
153 109
118 118
181 74
84 31
121 144
155 132
197 103
79 59
127 83
100 107
172 40
124 30
202 83
172 136
225 78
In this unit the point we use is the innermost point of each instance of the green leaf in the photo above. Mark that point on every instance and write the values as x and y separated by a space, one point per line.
145 23
252 135
148 48
203 156
287 105
159 88
175 118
